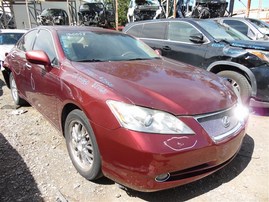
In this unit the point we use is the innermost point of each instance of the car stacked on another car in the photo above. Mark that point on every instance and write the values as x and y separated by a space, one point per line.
215 47
143 121
144 10
53 16
96 13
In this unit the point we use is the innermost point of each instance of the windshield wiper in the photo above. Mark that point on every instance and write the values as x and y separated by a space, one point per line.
89 60
143 58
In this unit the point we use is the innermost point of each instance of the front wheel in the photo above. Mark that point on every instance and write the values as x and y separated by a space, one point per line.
82 146
14 91
240 83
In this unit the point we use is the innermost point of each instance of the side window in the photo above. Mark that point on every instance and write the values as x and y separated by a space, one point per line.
154 30
26 42
46 45
181 31
135 30
240 26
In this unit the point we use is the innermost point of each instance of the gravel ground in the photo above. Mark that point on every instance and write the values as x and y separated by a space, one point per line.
35 166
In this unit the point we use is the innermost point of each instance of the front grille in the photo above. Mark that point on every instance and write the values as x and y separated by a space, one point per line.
203 169
220 125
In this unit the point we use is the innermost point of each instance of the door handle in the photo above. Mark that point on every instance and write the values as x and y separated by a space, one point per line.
13 55
166 48
28 66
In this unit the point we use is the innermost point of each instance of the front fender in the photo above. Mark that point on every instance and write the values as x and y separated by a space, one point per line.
228 65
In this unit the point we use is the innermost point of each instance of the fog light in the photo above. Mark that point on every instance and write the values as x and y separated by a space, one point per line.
162 177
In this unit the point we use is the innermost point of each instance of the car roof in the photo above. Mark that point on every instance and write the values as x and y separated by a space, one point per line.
191 20
13 30
77 28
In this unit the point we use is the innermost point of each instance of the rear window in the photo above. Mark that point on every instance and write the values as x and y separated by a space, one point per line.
154 30
10 38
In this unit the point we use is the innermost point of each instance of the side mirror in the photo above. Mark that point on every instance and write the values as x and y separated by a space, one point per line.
38 57
197 38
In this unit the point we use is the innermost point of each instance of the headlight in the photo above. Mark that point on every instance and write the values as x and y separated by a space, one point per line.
241 113
263 55
147 120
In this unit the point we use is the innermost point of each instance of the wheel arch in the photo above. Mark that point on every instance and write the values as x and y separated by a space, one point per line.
65 111
6 72
219 66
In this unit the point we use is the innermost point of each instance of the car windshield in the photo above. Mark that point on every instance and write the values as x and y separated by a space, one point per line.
103 46
263 27
9 38
51 12
92 6
147 2
221 31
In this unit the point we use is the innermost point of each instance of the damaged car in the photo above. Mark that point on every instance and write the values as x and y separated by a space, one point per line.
146 122
215 47
200 8
144 10
53 16
96 14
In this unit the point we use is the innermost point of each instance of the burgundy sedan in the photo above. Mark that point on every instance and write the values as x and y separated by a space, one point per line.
146 122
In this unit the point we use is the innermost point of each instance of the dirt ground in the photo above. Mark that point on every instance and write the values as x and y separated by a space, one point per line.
35 166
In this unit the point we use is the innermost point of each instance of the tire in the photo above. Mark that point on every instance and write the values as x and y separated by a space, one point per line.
82 146
240 83
14 91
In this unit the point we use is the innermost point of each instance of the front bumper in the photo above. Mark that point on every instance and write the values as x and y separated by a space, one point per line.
135 159
261 99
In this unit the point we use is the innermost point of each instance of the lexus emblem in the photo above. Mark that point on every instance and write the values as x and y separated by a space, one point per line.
226 121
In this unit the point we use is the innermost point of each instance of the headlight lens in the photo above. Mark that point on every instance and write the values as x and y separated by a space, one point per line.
241 113
263 55
147 120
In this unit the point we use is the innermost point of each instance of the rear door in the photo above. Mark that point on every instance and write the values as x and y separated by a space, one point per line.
19 61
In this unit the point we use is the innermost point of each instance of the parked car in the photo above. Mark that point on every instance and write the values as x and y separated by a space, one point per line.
253 28
143 10
142 121
53 16
8 38
6 21
214 47
96 14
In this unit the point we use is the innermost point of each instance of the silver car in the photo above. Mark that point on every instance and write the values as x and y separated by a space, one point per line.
253 28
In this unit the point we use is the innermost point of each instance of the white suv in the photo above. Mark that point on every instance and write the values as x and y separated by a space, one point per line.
8 38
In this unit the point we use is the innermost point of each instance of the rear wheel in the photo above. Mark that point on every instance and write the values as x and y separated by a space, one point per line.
82 146
239 82
14 91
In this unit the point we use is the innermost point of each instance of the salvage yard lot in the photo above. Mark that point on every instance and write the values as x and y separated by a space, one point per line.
35 166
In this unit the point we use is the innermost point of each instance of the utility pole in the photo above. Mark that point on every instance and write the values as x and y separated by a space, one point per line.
116 16
248 8
231 7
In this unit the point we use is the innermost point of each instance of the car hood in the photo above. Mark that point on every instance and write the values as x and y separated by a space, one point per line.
165 85
3 50
258 45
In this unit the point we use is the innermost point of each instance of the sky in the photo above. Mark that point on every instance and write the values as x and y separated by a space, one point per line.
242 4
